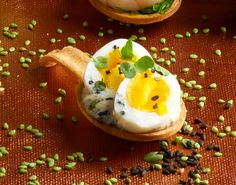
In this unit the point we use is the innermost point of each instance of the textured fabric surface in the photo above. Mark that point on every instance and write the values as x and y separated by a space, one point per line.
23 102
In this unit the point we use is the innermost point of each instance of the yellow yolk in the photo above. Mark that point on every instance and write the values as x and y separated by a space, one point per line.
111 75
148 93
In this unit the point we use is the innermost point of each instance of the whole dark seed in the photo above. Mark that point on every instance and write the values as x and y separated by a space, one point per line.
182 182
193 133
197 121
203 126
123 175
165 171
201 142
155 106
210 147
154 98
134 171
216 148
109 170
90 159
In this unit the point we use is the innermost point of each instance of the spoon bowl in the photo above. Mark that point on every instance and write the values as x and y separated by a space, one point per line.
135 18
76 61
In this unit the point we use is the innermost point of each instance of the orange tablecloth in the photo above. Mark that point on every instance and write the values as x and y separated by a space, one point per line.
23 102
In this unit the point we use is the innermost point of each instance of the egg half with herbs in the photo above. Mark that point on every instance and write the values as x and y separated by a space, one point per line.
124 88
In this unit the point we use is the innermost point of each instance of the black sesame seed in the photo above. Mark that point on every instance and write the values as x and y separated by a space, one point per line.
197 121
155 106
115 47
203 126
193 133
90 159
123 175
182 182
110 98
90 82
108 72
134 171
122 113
210 147
103 113
154 98
109 170
201 142
145 75
216 148
165 171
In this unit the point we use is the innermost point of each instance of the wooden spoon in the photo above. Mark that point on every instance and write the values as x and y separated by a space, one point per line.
76 61
135 18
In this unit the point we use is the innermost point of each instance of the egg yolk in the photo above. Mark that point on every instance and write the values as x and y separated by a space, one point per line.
111 75
148 93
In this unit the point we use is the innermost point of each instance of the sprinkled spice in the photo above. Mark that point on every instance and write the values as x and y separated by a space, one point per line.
227 129
60 116
58 100
187 34
195 30
70 165
206 30
223 29
201 73
45 116
142 38
221 118
229 104
74 119
85 24
100 34
222 134
218 52
82 37
153 49
28 148
27 42
179 36
160 60
62 91
32 53
11 133
212 86
201 104
220 101
59 31
162 40
185 70
6 73
214 129
43 85
5 126
233 134
110 31
71 41
202 98
193 56
53 40
57 168
218 154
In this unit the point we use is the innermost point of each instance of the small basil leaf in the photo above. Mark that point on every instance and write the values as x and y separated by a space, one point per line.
161 70
127 50
144 64
128 69
101 62
100 85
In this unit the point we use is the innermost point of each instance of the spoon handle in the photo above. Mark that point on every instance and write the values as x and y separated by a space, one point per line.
70 57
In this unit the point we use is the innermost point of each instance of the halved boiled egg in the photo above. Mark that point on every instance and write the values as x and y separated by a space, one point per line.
145 101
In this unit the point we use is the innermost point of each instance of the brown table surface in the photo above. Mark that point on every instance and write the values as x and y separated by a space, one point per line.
23 102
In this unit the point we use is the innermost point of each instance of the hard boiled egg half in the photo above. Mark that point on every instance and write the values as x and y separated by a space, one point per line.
124 88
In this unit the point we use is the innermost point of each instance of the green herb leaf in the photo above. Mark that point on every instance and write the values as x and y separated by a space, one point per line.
161 70
127 50
144 64
100 62
153 157
128 69
100 85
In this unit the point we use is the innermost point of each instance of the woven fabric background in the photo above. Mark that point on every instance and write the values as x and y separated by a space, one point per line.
23 102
